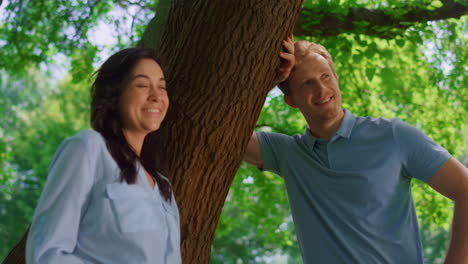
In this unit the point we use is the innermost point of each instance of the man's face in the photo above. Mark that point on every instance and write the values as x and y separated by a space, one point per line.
314 90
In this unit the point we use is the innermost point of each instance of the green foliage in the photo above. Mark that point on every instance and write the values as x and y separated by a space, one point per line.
320 18
395 80
34 31
388 78
39 129
6 171
419 76
256 218
253 192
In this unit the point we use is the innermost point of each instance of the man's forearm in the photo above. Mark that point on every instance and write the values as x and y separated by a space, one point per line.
458 249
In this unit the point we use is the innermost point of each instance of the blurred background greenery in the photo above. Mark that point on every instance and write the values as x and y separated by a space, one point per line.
49 49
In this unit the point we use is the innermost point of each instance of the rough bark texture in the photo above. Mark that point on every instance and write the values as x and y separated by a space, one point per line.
17 254
382 23
219 59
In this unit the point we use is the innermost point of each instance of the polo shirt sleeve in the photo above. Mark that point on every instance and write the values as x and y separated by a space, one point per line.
54 231
420 155
274 148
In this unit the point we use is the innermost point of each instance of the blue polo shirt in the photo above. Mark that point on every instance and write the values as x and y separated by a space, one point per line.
350 196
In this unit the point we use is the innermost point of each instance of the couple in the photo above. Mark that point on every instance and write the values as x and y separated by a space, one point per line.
348 178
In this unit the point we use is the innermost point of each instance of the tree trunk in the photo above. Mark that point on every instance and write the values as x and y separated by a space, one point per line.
17 254
219 58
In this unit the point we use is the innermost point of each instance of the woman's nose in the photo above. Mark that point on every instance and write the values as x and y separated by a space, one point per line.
154 95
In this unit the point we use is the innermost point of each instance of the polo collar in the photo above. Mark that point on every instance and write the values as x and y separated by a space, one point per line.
344 130
347 124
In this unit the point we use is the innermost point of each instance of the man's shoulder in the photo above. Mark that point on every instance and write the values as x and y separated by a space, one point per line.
370 124
372 128
375 122
280 135
279 138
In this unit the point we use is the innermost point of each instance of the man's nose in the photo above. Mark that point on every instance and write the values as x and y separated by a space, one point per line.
320 89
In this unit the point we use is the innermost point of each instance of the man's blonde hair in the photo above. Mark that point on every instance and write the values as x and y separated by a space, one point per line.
302 48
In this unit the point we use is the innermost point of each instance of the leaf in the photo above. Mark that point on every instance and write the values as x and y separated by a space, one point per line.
370 73
400 42
436 4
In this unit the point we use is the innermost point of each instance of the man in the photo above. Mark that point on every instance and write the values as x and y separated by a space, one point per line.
348 178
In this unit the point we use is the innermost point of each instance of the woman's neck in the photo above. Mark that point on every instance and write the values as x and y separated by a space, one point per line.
134 140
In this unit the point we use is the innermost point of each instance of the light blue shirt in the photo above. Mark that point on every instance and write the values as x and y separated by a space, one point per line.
351 196
87 215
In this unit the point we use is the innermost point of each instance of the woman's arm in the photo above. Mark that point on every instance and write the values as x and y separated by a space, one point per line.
55 226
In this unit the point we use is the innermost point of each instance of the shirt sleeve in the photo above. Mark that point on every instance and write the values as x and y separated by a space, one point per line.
274 148
54 230
420 155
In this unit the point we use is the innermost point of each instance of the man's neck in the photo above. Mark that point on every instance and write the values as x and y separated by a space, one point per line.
325 129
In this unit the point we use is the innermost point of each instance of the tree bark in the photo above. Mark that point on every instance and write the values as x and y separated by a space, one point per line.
219 59
17 254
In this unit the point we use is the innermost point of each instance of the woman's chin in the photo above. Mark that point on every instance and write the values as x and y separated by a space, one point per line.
153 128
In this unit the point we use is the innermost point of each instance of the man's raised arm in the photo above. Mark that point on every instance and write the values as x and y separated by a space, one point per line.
451 180
253 155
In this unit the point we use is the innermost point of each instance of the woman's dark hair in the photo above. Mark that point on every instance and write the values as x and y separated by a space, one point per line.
111 80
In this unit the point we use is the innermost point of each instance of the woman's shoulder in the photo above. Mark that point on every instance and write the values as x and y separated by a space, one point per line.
89 137
85 145
85 140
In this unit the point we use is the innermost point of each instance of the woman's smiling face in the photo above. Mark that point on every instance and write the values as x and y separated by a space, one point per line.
144 102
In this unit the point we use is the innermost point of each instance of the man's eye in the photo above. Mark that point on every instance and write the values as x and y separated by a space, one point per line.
142 86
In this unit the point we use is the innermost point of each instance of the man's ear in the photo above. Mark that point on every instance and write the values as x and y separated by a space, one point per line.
289 100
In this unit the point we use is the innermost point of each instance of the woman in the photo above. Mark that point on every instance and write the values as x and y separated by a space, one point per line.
100 204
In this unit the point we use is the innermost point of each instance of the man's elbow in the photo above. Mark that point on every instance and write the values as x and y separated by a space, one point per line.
254 162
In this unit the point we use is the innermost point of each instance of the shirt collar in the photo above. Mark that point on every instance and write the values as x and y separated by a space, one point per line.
347 124
308 138
344 130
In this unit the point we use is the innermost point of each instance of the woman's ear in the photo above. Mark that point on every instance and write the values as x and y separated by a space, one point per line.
289 100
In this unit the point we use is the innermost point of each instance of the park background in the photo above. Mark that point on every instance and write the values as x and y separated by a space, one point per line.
412 70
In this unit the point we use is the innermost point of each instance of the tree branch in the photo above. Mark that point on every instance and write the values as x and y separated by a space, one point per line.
383 23
153 31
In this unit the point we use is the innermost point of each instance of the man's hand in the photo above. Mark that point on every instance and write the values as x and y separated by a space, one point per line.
287 60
